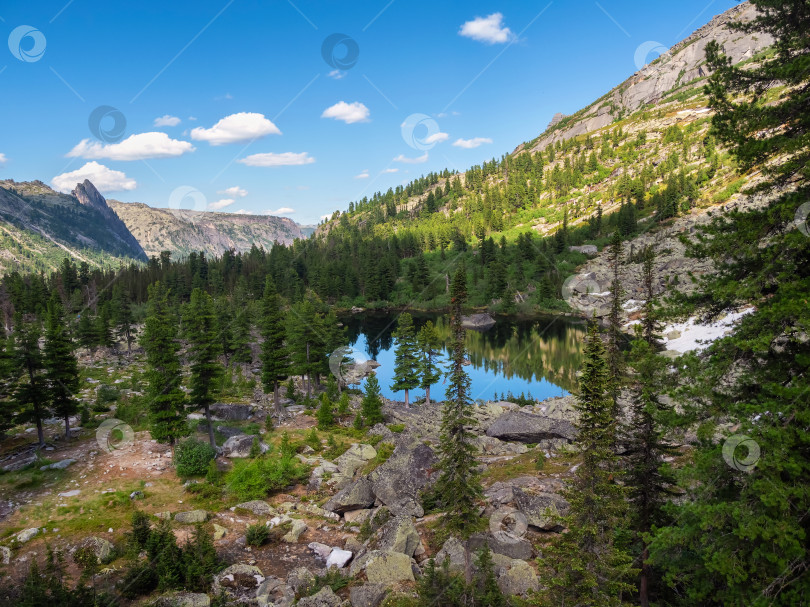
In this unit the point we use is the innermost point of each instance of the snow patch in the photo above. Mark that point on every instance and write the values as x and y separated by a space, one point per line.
697 336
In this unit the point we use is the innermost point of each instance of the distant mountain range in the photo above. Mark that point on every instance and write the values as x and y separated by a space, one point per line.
39 227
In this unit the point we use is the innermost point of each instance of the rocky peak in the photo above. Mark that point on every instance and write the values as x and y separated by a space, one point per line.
87 194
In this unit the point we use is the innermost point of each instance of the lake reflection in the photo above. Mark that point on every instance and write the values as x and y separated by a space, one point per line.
538 357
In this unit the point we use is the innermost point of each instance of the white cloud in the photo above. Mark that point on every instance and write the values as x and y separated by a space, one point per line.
337 74
277 160
325 217
135 147
363 175
236 128
242 212
471 143
220 204
417 160
3 159
488 29
391 171
437 137
281 211
167 120
105 179
234 191
347 112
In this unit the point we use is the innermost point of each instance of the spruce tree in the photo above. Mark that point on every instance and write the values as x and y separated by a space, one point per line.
458 487
406 360
8 378
122 317
200 327
586 566
371 406
429 370
325 414
274 354
103 330
61 366
166 400
224 315
614 333
31 394
86 332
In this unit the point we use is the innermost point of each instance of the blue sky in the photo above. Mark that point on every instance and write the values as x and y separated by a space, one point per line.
241 105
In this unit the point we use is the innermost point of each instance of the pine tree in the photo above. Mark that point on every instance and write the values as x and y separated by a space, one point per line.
31 394
200 327
614 334
325 415
86 332
159 340
122 317
429 370
61 366
241 334
224 314
8 378
104 336
343 406
586 566
274 354
305 338
371 406
406 361
458 487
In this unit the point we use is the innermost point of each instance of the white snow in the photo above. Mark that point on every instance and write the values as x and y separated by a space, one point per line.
696 336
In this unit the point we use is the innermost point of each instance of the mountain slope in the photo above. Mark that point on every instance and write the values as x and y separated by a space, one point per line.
183 231
39 227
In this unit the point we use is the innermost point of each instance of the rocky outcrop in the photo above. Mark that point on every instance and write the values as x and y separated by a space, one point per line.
478 322
356 496
367 595
191 517
87 195
397 535
325 597
399 481
240 446
542 510
528 428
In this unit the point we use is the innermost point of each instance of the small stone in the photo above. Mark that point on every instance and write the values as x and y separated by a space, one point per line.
27 534
298 527
71 493
193 516
136 495
219 532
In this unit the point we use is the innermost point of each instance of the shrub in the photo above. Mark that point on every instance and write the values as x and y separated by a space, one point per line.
191 457
313 440
141 528
332 578
255 448
213 475
256 478
396 428
257 534
107 394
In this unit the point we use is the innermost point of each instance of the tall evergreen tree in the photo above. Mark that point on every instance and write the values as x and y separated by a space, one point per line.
458 487
371 406
586 566
166 399
61 366
614 333
8 377
86 332
275 357
406 357
429 370
122 317
31 394
200 327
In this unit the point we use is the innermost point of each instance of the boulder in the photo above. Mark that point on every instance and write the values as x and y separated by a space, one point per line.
399 481
519 579
183 599
61 465
453 550
514 548
219 532
5 555
389 568
587 249
338 558
298 527
314 510
367 595
239 446
357 517
528 428
192 516
26 535
397 535
325 597
25 460
355 457
228 432
489 445
231 412
322 551
103 549
273 592
356 496
257 507
299 578
541 509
